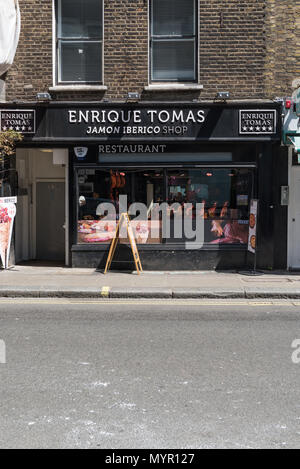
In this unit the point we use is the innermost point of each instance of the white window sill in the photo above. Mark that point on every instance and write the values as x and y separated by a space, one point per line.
62 88
173 87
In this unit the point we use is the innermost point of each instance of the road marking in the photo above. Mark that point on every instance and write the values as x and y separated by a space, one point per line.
105 292
263 303
146 302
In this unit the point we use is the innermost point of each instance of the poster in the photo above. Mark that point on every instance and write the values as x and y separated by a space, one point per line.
7 216
253 226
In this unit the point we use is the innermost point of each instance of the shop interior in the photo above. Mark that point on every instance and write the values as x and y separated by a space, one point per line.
220 195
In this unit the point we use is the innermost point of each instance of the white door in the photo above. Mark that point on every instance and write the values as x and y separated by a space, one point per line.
294 218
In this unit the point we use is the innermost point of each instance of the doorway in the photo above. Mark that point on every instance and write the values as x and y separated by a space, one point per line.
294 219
42 208
50 220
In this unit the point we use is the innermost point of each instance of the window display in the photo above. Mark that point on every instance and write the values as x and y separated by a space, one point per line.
224 196
218 196
106 187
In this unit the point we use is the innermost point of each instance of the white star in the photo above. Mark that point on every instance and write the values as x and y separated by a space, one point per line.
17 129
264 128
245 128
270 129
11 128
251 128
23 128
29 128
4 128
258 128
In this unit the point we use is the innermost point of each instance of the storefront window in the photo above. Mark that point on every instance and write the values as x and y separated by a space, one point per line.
118 190
219 196
168 200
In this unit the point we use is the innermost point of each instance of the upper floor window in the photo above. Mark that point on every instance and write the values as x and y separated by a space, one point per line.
79 41
173 41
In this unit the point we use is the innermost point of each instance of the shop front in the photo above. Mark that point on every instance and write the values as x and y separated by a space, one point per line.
186 174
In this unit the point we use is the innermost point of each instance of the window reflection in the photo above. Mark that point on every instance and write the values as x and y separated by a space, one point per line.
98 187
224 195
219 196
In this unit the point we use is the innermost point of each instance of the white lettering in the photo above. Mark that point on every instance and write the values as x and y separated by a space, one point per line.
152 113
83 116
72 117
177 117
137 117
163 119
201 116
190 117
113 116
95 116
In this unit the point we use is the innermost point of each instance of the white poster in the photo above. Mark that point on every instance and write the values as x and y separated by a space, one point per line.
7 216
253 226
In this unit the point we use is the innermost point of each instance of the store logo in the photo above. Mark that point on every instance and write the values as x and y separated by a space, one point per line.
23 121
81 152
257 122
2 352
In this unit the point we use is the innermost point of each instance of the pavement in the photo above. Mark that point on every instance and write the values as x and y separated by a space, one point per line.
36 281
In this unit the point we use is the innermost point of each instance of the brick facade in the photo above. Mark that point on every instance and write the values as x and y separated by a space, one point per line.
283 46
248 47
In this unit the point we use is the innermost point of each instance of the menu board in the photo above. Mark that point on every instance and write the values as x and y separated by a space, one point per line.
124 219
253 226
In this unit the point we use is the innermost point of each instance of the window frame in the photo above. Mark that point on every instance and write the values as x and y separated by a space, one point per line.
165 244
58 39
166 38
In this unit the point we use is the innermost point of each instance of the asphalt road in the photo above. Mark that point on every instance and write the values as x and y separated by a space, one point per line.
149 374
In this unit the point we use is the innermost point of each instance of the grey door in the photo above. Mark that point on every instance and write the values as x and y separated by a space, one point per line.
50 219
295 219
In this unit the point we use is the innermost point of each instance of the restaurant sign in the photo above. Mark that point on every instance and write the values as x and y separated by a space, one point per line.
18 120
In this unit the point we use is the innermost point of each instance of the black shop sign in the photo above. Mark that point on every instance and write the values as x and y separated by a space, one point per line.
257 122
22 121
160 123
154 123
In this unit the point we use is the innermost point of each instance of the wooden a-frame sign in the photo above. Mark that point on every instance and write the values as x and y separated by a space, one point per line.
124 218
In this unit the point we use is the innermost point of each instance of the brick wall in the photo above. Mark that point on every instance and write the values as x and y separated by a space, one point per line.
232 47
283 46
32 70
247 47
